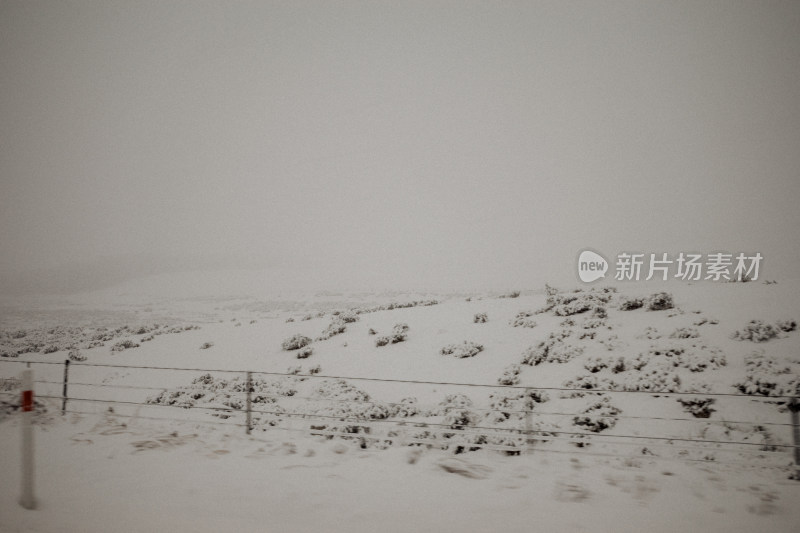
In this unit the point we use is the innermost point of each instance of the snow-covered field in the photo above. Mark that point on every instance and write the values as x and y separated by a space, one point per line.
432 394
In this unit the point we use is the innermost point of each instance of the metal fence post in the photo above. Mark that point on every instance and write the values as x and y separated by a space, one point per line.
794 408
249 403
529 420
27 500
64 392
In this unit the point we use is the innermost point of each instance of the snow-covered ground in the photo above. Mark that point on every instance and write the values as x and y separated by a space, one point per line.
630 458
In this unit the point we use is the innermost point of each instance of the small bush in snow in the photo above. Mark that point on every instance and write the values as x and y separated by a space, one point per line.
480 318
769 376
595 364
206 345
629 304
372 332
337 326
552 350
349 316
295 342
305 352
684 333
523 319
124 345
598 416
659 301
758 331
465 349
510 375
399 334
698 407
456 411
76 355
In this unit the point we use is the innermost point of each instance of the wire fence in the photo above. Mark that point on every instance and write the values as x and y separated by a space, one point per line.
513 428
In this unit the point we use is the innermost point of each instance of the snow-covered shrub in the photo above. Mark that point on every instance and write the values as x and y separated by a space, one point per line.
586 382
523 319
704 320
465 349
653 378
305 352
337 326
768 376
455 408
513 294
786 325
405 408
480 318
695 358
372 332
511 405
315 369
757 331
349 316
510 375
684 333
618 365
76 355
124 345
552 350
598 416
659 301
399 334
209 391
206 345
595 364
579 301
53 348
629 304
295 342
698 407
290 319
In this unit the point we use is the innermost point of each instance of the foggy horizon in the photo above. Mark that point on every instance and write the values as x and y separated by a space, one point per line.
392 144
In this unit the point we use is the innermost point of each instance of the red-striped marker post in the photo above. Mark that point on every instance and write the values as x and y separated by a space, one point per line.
27 499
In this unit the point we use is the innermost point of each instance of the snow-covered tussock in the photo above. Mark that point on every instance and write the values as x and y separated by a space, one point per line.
295 342
465 349
337 326
399 334
767 376
209 391
523 319
598 416
758 331
552 350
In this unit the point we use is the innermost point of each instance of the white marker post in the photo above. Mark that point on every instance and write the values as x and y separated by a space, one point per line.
27 500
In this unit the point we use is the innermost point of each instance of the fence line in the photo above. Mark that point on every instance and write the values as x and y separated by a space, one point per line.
417 382
483 433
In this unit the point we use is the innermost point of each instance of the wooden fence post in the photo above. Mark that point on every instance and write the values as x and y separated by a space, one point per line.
794 408
64 392
249 401
27 500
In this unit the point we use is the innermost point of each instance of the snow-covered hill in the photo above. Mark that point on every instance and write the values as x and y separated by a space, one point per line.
664 402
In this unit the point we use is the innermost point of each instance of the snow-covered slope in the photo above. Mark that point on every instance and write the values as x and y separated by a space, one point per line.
672 385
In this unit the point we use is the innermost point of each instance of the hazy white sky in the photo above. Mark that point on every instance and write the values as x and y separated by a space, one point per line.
399 142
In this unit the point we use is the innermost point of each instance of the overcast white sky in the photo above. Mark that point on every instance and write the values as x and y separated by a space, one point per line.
398 142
